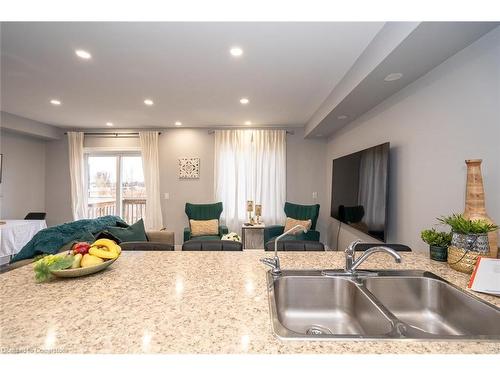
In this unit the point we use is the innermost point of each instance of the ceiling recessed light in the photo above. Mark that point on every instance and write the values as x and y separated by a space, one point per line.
342 117
248 122
55 102
178 123
393 77
83 54
244 101
236 51
148 102
109 124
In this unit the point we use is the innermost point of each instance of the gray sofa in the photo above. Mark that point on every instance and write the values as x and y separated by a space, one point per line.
159 240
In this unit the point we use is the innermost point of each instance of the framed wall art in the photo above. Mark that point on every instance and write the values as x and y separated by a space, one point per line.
189 168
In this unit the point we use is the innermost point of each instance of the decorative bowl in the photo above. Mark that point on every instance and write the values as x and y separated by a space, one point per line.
83 271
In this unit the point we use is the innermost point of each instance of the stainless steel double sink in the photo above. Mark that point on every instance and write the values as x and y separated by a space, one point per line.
411 305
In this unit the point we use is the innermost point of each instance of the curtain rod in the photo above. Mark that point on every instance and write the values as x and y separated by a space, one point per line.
291 132
112 134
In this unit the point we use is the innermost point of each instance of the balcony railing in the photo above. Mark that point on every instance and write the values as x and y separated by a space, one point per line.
132 209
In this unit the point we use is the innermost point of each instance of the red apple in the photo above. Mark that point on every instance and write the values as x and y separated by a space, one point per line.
81 248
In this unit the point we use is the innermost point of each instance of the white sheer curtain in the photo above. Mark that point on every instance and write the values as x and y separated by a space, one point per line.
372 185
151 167
250 165
77 175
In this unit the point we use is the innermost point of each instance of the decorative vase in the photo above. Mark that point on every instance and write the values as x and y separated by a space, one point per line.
475 208
465 249
438 253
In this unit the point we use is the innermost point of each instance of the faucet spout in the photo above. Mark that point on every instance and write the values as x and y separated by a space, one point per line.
352 264
274 263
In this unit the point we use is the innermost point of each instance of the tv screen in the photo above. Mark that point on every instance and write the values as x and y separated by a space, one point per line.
359 190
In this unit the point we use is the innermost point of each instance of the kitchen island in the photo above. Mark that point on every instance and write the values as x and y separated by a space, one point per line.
185 302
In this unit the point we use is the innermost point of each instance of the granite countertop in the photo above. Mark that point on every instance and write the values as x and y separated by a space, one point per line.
184 302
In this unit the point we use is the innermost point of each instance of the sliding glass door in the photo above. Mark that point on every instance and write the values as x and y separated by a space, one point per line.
133 191
115 185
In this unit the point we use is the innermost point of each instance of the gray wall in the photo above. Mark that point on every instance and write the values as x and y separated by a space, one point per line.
23 177
184 143
58 187
305 174
449 115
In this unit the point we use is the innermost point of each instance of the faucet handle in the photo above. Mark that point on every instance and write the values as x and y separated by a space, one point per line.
274 263
352 246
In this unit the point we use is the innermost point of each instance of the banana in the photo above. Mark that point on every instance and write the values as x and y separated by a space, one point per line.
103 253
105 248
110 244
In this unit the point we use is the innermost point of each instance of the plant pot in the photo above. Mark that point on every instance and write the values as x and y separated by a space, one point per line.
438 253
465 249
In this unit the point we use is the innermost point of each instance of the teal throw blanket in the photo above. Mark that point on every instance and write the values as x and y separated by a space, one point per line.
50 240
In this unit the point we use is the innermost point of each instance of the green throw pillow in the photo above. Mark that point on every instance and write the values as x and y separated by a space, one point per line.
135 232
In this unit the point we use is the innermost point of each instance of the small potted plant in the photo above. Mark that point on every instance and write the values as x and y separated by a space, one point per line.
438 243
469 241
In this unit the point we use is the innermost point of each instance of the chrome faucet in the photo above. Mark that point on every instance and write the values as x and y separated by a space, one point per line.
351 264
274 262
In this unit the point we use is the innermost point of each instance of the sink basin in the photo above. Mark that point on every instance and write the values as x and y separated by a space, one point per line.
434 306
323 305
416 305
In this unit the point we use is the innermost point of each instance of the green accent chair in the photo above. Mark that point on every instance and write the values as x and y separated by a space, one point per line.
204 212
299 212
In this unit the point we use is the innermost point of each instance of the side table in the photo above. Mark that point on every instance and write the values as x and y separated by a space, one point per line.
255 230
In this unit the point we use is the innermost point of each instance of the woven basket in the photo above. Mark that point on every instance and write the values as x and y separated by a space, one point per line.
465 249
462 260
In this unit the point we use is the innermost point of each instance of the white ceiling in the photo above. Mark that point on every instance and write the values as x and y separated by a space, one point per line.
287 71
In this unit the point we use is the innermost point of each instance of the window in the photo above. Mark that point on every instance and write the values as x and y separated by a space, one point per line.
250 165
115 185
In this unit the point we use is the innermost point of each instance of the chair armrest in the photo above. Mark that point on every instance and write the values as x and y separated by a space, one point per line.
223 230
272 231
161 236
187 234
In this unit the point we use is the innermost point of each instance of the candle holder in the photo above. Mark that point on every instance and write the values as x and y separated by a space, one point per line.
250 210
258 212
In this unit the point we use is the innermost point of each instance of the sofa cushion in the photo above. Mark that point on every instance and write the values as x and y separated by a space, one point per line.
291 222
146 246
204 227
212 245
295 245
287 237
135 232
206 238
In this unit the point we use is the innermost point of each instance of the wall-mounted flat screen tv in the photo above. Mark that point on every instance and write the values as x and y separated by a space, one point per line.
360 190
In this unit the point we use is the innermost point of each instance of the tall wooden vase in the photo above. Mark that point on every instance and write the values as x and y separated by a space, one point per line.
474 201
